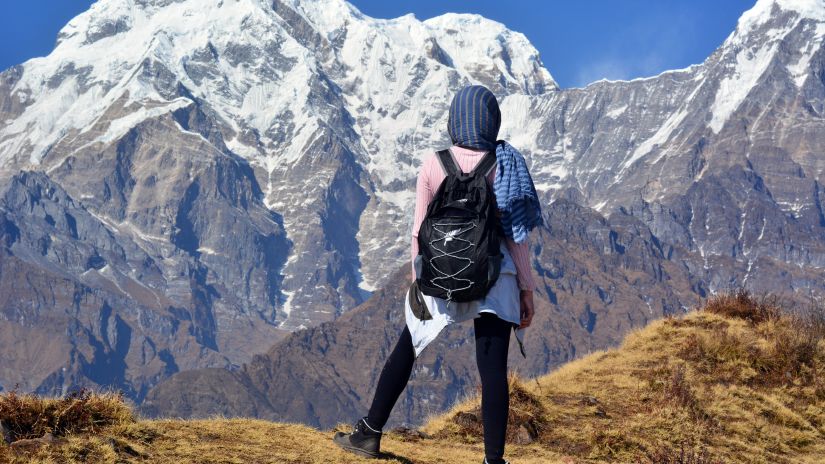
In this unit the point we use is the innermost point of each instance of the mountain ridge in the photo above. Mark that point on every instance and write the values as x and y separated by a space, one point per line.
253 170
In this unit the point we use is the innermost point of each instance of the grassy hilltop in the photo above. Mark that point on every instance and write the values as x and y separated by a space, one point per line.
737 381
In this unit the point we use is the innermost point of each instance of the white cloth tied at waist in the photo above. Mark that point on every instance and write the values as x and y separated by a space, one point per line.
502 300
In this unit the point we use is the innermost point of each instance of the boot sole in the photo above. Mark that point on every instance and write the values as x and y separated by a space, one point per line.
358 451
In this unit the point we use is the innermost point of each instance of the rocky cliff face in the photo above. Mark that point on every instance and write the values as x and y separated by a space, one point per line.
83 306
238 170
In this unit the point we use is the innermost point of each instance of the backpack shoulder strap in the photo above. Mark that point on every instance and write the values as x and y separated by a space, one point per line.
448 164
486 164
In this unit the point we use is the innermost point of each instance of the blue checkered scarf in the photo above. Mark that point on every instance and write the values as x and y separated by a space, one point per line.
474 122
516 195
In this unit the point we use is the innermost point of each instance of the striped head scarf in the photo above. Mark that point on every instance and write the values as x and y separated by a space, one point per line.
474 118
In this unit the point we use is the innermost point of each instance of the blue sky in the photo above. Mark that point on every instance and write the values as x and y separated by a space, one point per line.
580 41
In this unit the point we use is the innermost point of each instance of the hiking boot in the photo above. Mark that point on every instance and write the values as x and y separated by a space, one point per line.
363 441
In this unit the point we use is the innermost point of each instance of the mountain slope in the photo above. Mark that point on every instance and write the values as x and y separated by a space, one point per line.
738 381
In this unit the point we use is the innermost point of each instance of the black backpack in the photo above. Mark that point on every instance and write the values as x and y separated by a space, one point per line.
458 242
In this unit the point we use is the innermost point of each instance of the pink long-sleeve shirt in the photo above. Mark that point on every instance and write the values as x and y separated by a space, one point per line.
430 177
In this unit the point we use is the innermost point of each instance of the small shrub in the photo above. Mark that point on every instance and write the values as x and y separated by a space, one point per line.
525 421
32 416
791 349
721 354
742 305
794 353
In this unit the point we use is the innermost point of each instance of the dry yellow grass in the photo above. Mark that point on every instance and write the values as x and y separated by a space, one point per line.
719 384
246 441
714 386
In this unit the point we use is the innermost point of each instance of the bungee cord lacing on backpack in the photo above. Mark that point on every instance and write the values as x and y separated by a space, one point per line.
448 236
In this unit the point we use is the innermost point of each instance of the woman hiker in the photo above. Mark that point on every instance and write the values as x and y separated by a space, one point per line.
473 126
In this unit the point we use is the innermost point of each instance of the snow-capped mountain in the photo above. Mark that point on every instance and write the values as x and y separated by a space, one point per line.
723 158
314 96
648 126
244 157
231 170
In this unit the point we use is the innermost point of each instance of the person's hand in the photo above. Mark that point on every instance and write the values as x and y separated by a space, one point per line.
526 303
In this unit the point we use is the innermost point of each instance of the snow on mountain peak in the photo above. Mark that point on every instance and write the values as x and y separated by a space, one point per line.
814 9
763 12
100 53
101 19
754 45
252 59
466 37
469 40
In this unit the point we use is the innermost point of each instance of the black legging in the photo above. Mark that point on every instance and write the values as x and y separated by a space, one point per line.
492 341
